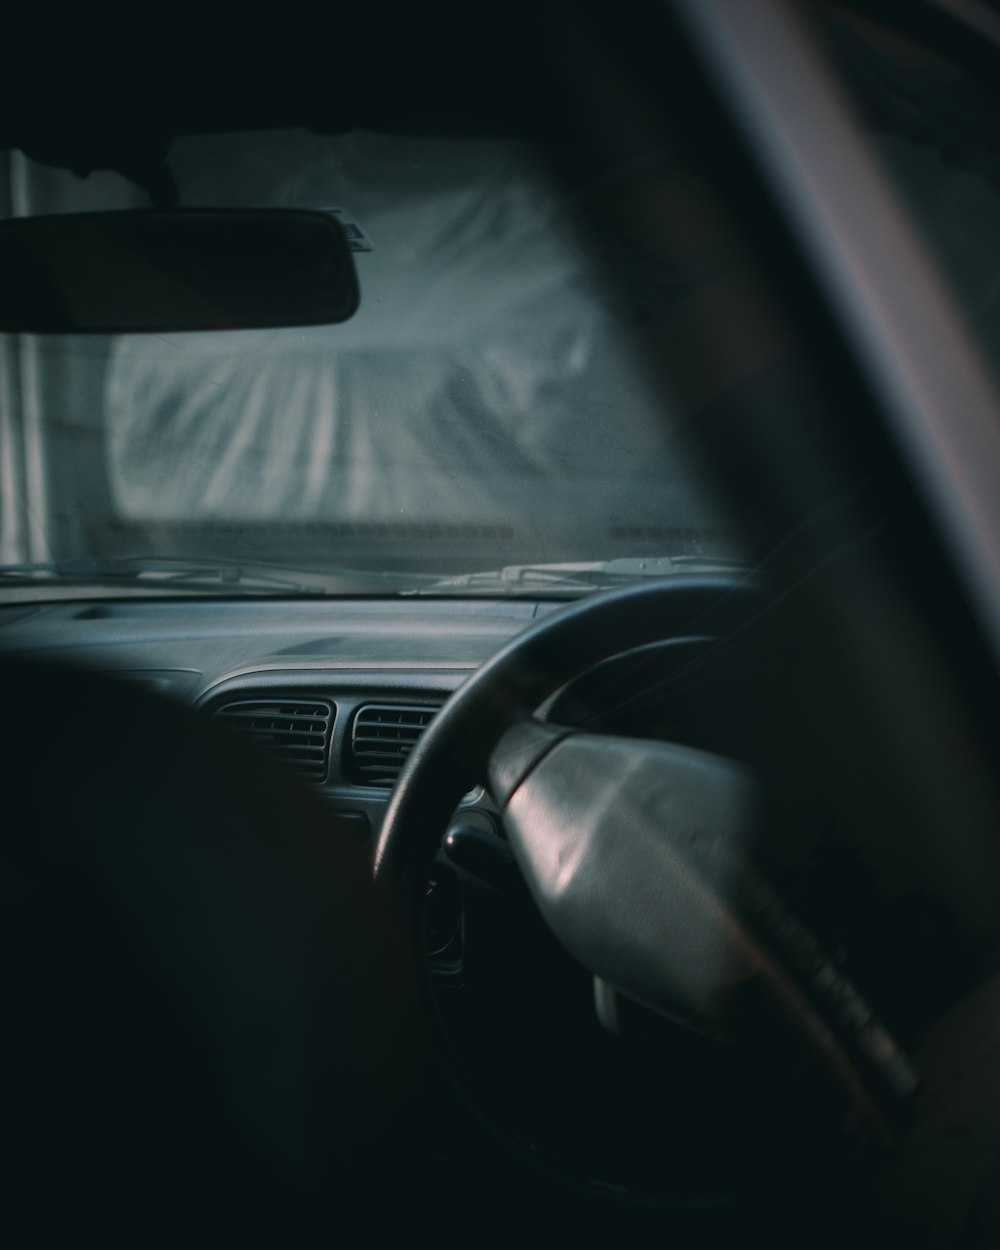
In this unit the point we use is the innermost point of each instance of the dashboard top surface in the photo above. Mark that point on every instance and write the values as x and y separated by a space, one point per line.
188 648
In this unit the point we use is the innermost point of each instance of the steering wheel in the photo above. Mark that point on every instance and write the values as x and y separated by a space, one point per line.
637 853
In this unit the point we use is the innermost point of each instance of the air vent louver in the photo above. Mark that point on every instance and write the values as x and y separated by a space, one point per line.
382 737
297 732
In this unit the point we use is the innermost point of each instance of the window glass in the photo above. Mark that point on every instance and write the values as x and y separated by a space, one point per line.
934 125
485 404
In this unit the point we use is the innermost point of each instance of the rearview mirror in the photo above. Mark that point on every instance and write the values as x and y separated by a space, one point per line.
189 269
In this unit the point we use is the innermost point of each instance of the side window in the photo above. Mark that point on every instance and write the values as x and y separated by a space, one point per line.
934 122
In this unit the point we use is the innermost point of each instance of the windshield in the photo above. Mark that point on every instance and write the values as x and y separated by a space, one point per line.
520 404
485 408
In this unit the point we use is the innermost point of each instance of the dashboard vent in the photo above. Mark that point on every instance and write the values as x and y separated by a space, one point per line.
382 737
297 732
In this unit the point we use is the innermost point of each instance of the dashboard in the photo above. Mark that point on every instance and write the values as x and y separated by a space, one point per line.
339 690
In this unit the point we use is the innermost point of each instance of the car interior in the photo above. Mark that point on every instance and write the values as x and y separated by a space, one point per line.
500 625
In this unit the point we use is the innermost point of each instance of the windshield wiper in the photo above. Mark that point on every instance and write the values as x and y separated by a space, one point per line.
192 573
580 577
180 574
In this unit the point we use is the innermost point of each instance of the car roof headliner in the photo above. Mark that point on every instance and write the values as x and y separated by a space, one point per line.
98 100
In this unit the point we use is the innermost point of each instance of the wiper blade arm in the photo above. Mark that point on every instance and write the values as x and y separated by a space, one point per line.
583 575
